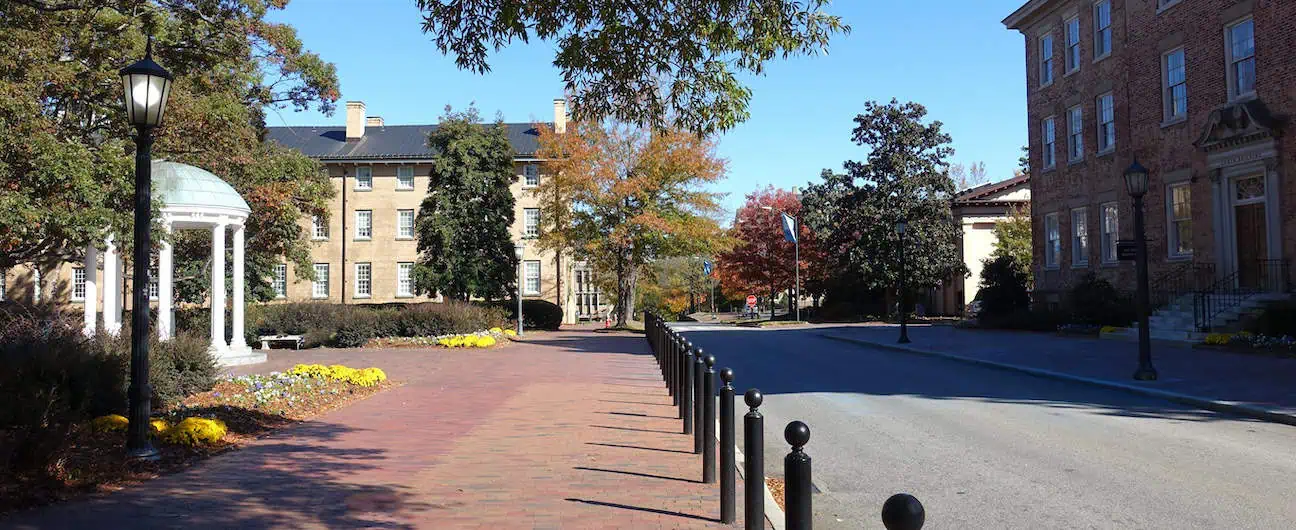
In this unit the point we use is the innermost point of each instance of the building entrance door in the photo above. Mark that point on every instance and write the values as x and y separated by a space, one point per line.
1251 245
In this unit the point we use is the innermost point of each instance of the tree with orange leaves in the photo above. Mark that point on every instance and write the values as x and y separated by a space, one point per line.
762 262
626 196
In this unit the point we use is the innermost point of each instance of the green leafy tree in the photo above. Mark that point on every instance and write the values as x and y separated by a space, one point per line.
905 177
641 61
1013 238
66 158
464 245
1003 288
1023 162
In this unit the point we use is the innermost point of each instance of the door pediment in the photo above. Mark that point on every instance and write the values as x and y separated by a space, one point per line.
1238 124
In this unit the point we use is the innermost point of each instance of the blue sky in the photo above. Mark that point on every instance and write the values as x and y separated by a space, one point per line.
951 55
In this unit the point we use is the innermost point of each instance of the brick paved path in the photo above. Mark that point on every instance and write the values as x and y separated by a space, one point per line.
570 430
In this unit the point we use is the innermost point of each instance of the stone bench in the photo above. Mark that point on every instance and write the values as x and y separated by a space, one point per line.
296 340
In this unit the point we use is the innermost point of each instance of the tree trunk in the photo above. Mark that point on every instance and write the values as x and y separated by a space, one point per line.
559 298
627 276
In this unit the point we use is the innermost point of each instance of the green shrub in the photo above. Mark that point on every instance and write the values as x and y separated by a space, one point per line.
1003 287
1095 302
540 314
1277 320
178 367
349 326
1039 319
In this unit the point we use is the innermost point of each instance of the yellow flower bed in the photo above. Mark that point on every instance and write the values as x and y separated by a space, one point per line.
510 333
1219 339
472 340
362 377
196 431
1110 329
110 423
159 426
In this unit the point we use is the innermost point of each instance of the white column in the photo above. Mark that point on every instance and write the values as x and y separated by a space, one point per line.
166 282
91 293
237 342
217 295
112 306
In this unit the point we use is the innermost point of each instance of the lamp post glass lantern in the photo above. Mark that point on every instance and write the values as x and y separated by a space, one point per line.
901 227
146 87
1136 184
519 249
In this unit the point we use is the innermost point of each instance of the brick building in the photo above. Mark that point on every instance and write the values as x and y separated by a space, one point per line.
1199 91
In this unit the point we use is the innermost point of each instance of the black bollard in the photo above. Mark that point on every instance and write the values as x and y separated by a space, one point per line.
728 457
699 399
903 512
668 363
709 419
686 389
754 465
796 476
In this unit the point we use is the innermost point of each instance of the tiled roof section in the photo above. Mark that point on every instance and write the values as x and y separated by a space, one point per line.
986 190
383 143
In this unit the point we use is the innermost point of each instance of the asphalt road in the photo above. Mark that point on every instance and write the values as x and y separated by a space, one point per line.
990 449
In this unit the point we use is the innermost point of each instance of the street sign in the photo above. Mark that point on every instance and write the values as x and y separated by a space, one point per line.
751 300
1126 251
706 268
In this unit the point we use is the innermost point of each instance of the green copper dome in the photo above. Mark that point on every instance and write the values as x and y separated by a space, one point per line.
181 186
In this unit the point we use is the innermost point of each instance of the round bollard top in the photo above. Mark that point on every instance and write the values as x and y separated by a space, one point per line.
726 375
903 512
797 434
689 343
710 360
753 398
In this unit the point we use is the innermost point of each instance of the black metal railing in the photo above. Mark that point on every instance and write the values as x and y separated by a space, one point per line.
1183 280
1234 289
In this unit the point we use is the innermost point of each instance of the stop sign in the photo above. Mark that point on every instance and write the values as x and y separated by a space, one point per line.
751 300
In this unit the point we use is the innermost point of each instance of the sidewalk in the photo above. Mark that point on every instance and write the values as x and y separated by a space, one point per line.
1256 386
568 430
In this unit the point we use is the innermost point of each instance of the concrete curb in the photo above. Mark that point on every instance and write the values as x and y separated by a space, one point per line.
1227 407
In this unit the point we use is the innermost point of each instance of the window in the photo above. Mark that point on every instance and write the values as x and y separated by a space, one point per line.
280 281
405 279
363 280
1073 45
364 178
364 224
405 224
1052 241
405 178
1106 123
320 287
531 175
1163 4
78 283
153 279
1050 141
1046 60
531 227
1110 232
1180 207
1075 123
1102 29
1079 237
1176 85
1241 57
319 228
531 273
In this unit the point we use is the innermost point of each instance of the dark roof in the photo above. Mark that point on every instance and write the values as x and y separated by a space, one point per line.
382 142
980 193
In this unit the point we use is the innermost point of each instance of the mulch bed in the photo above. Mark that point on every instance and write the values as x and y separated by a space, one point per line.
776 489
94 462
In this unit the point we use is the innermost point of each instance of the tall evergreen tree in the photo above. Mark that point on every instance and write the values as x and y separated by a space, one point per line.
464 245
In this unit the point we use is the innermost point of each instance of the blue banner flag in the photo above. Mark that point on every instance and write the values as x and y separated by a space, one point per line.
706 268
789 228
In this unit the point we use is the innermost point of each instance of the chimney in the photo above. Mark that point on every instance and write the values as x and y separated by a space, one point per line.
560 116
374 121
355 120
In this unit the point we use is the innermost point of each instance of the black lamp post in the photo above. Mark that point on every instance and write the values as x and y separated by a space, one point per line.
900 228
146 86
1136 183
519 250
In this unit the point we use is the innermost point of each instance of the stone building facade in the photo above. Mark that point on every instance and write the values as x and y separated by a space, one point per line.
1199 92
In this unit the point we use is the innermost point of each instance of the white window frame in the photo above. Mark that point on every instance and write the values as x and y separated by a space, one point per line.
1172 223
1048 133
1167 88
363 280
530 223
319 229
404 178
1163 5
527 277
78 284
154 289
1079 237
1102 48
1052 241
528 172
364 230
1075 134
279 280
1105 109
364 178
1231 62
404 230
1110 230
1071 50
321 282
405 279
1046 59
